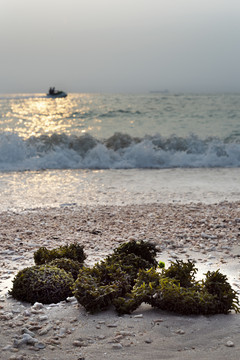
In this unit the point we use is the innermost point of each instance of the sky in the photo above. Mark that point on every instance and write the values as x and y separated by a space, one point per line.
119 45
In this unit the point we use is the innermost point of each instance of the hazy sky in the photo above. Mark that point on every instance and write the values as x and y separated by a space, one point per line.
119 45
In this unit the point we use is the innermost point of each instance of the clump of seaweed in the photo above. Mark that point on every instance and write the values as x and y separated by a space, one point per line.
42 283
170 296
73 251
130 276
182 271
70 266
213 295
125 279
96 288
217 285
145 286
143 249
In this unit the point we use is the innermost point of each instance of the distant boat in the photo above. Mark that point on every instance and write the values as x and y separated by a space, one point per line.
166 91
56 93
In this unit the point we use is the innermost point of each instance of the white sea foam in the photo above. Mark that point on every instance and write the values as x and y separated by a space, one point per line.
117 152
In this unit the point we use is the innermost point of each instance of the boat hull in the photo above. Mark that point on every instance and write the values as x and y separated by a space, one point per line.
60 94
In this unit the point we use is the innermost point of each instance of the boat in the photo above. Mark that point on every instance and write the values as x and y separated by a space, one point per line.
166 91
52 93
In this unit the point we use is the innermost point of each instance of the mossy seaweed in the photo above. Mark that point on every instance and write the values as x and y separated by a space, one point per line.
114 277
96 287
92 293
124 279
213 295
42 283
145 284
217 285
73 251
69 265
182 271
143 249
128 278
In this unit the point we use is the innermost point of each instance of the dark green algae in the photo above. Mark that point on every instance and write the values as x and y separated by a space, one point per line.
73 251
125 279
42 283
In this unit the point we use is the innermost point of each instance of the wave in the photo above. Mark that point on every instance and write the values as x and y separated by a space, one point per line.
120 151
112 113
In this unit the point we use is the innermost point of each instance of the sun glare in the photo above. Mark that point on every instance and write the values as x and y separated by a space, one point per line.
38 116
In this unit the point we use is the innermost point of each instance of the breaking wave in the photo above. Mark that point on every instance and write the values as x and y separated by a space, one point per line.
120 151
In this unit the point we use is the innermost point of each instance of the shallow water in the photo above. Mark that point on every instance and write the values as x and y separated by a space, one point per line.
25 190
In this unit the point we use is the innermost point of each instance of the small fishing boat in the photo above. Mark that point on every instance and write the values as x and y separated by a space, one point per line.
56 93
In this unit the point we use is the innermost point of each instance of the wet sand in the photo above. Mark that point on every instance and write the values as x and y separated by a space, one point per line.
208 234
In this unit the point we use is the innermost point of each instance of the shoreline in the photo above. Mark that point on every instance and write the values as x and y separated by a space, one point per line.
206 233
56 188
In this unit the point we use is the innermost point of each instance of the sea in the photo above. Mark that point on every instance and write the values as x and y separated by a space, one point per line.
118 149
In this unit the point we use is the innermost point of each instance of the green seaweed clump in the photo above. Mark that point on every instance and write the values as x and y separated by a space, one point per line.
213 295
171 296
182 271
95 293
70 266
125 279
225 297
73 251
97 288
44 283
143 249
149 282
130 277
130 264
144 288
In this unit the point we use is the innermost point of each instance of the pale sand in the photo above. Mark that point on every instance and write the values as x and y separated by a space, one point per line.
208 234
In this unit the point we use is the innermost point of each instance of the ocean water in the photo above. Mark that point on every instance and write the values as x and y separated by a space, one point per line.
118 148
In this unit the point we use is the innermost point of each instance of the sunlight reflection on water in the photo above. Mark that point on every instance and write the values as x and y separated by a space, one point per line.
50 188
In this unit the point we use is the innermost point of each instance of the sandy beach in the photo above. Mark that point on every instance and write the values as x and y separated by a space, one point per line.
206 233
